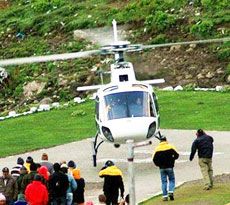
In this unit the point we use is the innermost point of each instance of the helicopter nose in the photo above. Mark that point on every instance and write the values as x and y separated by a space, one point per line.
138 129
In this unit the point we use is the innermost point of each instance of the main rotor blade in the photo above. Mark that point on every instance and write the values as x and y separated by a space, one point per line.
187 43
55 57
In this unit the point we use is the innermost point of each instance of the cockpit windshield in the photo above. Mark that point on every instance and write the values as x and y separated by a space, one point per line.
127 104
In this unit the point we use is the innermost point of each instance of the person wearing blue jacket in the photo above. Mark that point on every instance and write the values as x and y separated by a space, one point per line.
204 144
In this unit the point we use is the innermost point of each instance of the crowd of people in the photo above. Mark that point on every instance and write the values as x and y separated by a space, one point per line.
42 183
45 183
61 183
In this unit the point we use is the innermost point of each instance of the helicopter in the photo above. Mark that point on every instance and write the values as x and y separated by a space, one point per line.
125 109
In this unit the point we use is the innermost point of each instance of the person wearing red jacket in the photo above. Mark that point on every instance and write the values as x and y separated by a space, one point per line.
36 193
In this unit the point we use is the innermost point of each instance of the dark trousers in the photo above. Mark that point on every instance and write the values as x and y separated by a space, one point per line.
59 200
111 199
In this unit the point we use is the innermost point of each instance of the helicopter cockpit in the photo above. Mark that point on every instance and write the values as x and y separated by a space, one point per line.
128 104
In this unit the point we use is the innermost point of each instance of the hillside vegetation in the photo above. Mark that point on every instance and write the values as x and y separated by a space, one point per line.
41 27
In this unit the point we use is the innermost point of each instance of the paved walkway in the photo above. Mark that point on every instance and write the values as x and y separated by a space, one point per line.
146 174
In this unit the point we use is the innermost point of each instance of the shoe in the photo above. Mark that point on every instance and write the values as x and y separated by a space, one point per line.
165 199
171 196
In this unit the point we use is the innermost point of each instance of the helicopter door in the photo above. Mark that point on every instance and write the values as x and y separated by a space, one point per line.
156 108
97 119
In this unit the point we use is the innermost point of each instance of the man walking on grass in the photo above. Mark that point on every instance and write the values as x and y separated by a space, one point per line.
204 144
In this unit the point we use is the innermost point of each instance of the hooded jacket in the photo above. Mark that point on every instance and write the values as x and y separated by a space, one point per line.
36 193
165 155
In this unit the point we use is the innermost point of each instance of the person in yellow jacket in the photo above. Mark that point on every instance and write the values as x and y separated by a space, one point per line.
112 182
164 157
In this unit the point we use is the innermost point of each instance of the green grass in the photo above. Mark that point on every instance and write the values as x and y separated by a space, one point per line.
193 194
44 129
191 110
178 110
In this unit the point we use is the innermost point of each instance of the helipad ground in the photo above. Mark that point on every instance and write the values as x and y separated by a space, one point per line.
146 174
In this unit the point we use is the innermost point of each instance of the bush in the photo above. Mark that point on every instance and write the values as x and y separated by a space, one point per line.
18 90
204 28
161 38
224 51
160 21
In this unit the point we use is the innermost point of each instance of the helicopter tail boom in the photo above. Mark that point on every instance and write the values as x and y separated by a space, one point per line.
155 81
91 87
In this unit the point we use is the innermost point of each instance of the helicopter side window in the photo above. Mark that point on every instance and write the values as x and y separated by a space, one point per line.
97 107
156 102
151 107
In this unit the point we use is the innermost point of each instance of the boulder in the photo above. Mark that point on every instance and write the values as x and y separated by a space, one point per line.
32 88
169 88
228 79
177 88
46 101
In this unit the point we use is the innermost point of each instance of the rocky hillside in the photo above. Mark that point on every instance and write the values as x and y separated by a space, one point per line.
45 27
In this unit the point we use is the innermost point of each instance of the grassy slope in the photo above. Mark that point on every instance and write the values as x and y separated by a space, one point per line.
179 110
191 194
191 110
48 27
46 129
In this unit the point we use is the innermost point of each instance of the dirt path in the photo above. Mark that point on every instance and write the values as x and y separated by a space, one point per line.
146 174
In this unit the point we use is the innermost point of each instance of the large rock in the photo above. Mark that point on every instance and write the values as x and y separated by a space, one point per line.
228 79
33 88
46 101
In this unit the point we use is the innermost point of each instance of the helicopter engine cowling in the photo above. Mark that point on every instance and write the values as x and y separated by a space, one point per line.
120 130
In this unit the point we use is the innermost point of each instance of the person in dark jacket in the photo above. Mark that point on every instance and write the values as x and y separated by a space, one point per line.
58 185
204 144
23 172
28 178
112 182
78 194
8 186
164 157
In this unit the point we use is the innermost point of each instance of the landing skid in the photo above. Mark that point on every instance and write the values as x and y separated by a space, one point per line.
95 146
158 135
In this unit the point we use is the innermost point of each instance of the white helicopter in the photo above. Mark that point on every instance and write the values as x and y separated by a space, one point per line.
125 108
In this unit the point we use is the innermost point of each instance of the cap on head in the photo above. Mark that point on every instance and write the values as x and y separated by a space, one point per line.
56 167
5 169
64 165
29 159
23 168
200 132
76 174
64 168
71 164
20 161
109 163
